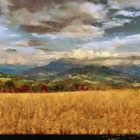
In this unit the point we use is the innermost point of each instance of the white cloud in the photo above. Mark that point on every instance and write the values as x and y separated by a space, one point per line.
29 57
20 43
128 13
76 11
124 3
115 23
82 54
88 54
96 11
4 6
112 44
81 30
75 18
65 10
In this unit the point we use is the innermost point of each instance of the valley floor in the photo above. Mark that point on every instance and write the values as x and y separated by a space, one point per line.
90 112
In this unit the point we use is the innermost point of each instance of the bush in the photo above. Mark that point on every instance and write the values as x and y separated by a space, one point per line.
43 88
24 88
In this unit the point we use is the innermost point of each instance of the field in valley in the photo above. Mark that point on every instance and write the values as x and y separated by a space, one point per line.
89 112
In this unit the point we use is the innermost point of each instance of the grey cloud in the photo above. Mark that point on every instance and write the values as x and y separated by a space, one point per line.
43 16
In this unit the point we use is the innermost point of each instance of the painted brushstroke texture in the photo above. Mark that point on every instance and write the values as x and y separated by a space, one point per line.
62 45
34 28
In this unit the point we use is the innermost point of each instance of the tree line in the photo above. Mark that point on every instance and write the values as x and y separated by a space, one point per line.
41 87
12 86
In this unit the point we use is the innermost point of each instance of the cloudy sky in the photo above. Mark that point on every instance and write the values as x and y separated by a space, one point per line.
39 31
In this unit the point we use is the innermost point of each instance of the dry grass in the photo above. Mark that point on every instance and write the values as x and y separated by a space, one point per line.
91 112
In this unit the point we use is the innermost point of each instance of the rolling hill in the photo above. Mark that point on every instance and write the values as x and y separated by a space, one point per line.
69 69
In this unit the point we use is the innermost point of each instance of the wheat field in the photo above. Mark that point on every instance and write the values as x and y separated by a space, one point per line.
90 112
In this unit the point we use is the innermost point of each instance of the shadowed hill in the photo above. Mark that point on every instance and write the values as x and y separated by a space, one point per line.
64 68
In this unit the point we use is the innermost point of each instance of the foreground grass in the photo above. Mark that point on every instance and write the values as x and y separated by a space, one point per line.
91 112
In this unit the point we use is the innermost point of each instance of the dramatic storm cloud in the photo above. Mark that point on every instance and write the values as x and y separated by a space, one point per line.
39 31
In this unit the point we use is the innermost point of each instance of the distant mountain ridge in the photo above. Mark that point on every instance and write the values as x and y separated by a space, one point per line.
130 69
64 67
62 73
55 66
14 69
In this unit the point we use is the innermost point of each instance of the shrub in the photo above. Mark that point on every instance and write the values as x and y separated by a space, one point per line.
43 88
24 88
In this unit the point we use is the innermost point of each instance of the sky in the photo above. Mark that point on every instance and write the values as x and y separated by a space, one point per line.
36 32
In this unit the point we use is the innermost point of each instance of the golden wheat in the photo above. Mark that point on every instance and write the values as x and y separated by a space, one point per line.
90 112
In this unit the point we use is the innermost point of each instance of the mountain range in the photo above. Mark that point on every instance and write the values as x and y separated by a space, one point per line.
94 73
69 68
